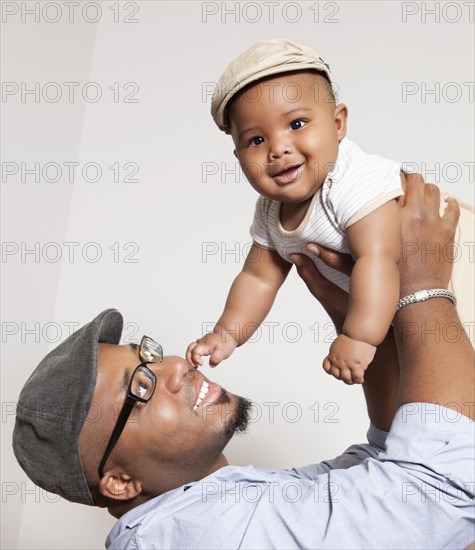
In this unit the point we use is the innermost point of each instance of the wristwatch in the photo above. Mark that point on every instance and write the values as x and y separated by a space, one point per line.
423 295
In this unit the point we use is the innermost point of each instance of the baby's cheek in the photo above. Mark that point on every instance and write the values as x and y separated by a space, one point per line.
254 172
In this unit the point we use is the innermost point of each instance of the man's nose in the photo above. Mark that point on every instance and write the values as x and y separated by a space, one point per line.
171 372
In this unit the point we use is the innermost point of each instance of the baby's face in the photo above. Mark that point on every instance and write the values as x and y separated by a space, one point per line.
286 132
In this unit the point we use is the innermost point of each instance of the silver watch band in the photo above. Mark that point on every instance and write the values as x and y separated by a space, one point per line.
422 295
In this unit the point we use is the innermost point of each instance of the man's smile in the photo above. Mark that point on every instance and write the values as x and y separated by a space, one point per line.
202 394
205 391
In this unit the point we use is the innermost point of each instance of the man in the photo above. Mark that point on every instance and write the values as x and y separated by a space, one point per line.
164 474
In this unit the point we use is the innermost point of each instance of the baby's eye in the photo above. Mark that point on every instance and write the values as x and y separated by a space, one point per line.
297 124
256 140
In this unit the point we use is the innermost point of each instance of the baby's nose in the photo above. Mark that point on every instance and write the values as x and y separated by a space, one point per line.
279 147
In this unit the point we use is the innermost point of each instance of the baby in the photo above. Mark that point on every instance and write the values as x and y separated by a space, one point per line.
315 185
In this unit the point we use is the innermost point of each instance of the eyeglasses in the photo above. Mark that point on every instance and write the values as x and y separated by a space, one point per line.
141 388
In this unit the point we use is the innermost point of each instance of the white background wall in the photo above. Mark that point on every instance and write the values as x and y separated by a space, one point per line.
157 274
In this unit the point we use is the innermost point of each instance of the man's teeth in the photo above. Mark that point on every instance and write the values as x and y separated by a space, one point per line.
204 390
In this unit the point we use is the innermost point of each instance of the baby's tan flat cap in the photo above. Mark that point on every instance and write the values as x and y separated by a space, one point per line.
265 58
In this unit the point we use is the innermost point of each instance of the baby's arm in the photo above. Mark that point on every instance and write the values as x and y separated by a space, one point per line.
375 245
249 301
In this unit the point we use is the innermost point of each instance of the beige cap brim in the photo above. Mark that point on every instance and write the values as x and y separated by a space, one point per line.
263 59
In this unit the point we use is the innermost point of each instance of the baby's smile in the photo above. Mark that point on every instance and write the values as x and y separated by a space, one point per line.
288 175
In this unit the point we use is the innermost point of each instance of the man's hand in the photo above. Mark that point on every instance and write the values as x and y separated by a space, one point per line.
219 346
424 259
348 359
332 298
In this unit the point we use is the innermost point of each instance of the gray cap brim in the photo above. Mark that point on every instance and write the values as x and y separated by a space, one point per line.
53 407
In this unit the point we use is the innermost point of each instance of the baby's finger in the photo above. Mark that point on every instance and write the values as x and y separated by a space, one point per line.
358 376
346 376
327 365
189 351
189 356
215 359
335 371
196 360
198 352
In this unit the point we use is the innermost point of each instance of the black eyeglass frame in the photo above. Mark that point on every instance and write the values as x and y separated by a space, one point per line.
130 402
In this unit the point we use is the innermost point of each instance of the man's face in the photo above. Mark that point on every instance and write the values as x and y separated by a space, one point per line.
177 435
286 132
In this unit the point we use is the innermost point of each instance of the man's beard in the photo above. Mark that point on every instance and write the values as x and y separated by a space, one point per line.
239 421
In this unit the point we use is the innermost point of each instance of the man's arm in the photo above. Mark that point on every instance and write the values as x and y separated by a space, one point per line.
437 367
420 223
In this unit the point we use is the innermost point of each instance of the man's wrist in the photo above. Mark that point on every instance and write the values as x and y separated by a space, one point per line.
426 294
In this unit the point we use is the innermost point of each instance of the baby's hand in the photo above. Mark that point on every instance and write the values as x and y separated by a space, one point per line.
219 346
348 359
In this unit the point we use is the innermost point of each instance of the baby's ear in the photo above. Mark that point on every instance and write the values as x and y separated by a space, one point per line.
341 116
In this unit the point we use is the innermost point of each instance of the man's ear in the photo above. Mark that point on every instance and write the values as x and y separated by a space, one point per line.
119 486
340 116
234 153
